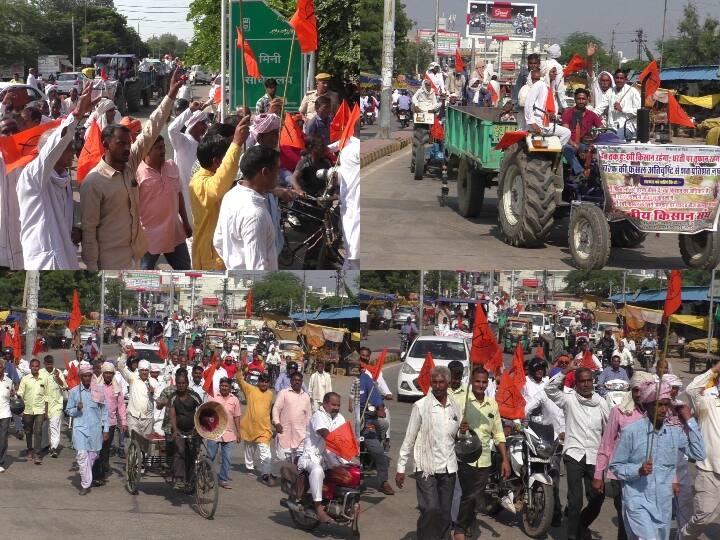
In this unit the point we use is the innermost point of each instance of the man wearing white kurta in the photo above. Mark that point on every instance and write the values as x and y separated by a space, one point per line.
31 79
535 115
435 75
623 103
245 235
315 457
185 145
45 198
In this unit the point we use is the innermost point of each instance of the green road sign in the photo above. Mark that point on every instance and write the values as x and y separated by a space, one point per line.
269 36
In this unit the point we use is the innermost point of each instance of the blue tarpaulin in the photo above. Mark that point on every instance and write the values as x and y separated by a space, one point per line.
686 73
689 294
329 314
367 296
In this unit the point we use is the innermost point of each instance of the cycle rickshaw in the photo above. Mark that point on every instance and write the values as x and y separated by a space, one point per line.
148 456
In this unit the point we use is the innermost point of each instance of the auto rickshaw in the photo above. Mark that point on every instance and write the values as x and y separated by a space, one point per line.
517 330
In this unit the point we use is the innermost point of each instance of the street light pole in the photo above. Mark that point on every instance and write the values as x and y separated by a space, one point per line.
102 311
437 24
387 68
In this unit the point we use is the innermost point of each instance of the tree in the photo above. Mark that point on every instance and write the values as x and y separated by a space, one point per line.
695 44
116 295
370 34
598 282
167 44
275 292
391 281
412 57
576 43
56 290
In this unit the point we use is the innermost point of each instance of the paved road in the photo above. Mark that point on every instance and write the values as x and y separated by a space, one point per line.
50 490
404 226
369 132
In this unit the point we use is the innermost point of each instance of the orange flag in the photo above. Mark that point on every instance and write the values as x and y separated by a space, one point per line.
509 392
251 65
342 442
103 74
673 298
432 84
652 73
549 106
493 94
349 129
162 349
72 379
305 24
21 148
459 64
290 134
249 304
92 152
7 340
376 369
217 96
484 350
338 123
676 114
436 131
17 342
423 379
510 138
575 64
75 315
208 376
588 362
539 352
37 347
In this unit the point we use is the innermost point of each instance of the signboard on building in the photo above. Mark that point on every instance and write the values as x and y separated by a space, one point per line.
269 36
142 281
210 301
503 20
529 282
448 42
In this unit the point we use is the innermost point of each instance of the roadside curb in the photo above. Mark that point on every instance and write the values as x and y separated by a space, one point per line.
374 155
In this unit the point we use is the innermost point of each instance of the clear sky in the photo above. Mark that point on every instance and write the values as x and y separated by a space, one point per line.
157 17
558 18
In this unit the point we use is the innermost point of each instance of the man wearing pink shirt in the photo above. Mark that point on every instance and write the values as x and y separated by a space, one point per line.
232 407
621 416
115 403
291 416
162 210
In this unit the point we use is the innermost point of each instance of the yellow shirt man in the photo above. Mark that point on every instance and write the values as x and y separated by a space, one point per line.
484 419
33 390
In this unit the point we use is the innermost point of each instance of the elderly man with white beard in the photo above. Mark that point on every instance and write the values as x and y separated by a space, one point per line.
542 108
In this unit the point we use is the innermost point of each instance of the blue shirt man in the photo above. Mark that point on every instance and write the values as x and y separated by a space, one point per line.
612 372
404 101
321 128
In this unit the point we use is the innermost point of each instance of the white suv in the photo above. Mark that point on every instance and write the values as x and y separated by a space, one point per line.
443 350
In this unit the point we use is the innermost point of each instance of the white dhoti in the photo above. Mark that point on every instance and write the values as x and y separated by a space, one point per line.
85 460
261 451
557 130
54 425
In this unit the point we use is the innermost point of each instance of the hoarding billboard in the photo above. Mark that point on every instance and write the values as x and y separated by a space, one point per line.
504 20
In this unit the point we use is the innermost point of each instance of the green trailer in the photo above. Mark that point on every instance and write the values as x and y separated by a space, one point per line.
471 134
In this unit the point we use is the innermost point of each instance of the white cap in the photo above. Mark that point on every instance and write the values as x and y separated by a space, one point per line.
197 116
143 364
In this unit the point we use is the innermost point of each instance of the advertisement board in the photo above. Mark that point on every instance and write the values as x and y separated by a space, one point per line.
505 20
448 42
662 188
142 281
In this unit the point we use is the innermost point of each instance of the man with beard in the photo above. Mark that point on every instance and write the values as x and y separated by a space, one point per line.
112 235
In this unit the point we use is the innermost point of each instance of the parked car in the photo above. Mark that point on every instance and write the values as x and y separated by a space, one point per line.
149 352
540 323
198 76
249 342
25 93
67 81
86 332
443 350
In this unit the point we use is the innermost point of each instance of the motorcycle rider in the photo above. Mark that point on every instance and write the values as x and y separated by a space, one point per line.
483 417
283 381
610 373
273 363
626 358
369 104
607 345
409 330
315 457
404 102
649 342
373 431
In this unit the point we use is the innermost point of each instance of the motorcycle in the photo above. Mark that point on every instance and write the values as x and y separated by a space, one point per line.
647 358
404 342
369 116
341 496
529 490
617 390
403 117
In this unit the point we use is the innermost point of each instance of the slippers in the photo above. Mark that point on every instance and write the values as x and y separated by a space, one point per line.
225 486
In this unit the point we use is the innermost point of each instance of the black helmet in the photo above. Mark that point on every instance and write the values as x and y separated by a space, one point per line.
292 366
535 364
17 405
7 351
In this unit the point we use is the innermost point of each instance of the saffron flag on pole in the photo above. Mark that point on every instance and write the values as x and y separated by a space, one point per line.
17 342
508 394
376 369
73 378
588 362
652 74
349 129
75 315
21 148
575 64
305 24
162 349
459 64
251 65
549 106
676 114
249 304
423 379
37 347
217 95
342 442
673 297
91 153
339 121
290 134
209 374
484 350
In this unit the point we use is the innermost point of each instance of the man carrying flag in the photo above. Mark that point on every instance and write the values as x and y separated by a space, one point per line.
430 436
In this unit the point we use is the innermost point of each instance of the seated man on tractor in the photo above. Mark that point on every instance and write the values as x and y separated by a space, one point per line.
425 99
541 109
580 121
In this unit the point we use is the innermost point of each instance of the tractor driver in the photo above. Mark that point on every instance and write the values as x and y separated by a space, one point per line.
580 121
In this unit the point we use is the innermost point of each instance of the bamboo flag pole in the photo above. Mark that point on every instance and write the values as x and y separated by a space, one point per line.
242 56
657 392
287 76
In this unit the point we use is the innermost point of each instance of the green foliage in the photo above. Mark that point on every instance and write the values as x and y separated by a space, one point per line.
696 43
576 43
337 20
39 27
167 44
370 35
116 296
410 55
600 282
391 281
56 290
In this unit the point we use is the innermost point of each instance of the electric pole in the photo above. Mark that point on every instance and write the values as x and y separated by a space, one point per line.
612 46
640 42
102 312
387 68
32 285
